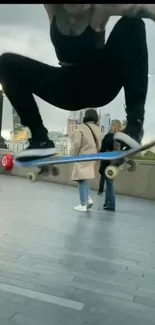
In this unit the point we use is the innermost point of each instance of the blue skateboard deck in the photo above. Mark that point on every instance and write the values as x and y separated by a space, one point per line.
47 165
55 160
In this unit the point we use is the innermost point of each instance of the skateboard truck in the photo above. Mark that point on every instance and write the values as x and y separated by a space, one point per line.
43 170
113 169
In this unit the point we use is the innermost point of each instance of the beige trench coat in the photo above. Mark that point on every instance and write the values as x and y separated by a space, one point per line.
84 144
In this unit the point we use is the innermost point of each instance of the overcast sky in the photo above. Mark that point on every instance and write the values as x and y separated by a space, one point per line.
24 28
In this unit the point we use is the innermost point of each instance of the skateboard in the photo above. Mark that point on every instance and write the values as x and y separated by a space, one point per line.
47 165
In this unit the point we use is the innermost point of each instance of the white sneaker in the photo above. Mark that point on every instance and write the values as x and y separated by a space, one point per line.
90 203
81 208
127 140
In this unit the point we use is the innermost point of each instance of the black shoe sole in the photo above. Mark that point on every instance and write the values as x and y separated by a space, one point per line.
35 153
108 209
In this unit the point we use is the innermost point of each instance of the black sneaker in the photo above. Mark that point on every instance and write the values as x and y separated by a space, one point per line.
108 208
131 136
37 150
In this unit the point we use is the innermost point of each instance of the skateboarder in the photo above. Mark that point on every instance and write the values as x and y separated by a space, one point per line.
91 72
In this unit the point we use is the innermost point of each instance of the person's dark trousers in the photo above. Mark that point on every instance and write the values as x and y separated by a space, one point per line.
101 184
110 195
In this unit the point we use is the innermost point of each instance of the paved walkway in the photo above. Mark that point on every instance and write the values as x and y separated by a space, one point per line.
61 267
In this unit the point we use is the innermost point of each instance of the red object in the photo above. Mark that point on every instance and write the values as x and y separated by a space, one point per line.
7 161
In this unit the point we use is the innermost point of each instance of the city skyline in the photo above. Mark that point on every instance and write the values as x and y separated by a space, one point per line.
25 29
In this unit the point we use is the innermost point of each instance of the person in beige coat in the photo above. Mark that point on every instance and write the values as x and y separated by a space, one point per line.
87 141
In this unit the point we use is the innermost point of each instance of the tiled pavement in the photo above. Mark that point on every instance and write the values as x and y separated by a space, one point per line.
61 267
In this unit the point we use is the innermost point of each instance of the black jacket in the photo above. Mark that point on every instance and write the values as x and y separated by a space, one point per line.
107 145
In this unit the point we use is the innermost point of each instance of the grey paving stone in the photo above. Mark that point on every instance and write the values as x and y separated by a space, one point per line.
19 299
8 322
119 318
113 286
16 276
21 319
41 296
6 295
59 290
47 313
140 270
146 291
24 320
104 305
145 301
6 313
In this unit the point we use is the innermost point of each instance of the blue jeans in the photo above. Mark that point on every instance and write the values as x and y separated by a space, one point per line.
110 194
83 191
101 184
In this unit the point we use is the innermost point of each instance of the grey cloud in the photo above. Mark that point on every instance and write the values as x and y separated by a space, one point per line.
24 29
23 15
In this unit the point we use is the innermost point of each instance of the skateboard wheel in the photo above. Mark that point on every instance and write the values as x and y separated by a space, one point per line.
7 161
55 171
132 164
111 172
31 176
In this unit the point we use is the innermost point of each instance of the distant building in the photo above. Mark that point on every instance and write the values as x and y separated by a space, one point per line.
153 149
55 135
81 116
105 121
18 132
72 126
64 145
16 121
76 117
124 122
16 146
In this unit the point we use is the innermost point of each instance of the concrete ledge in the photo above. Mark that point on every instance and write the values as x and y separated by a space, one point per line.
139 184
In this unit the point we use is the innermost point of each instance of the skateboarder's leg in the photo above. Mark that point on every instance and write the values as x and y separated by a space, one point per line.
69 88
135 77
